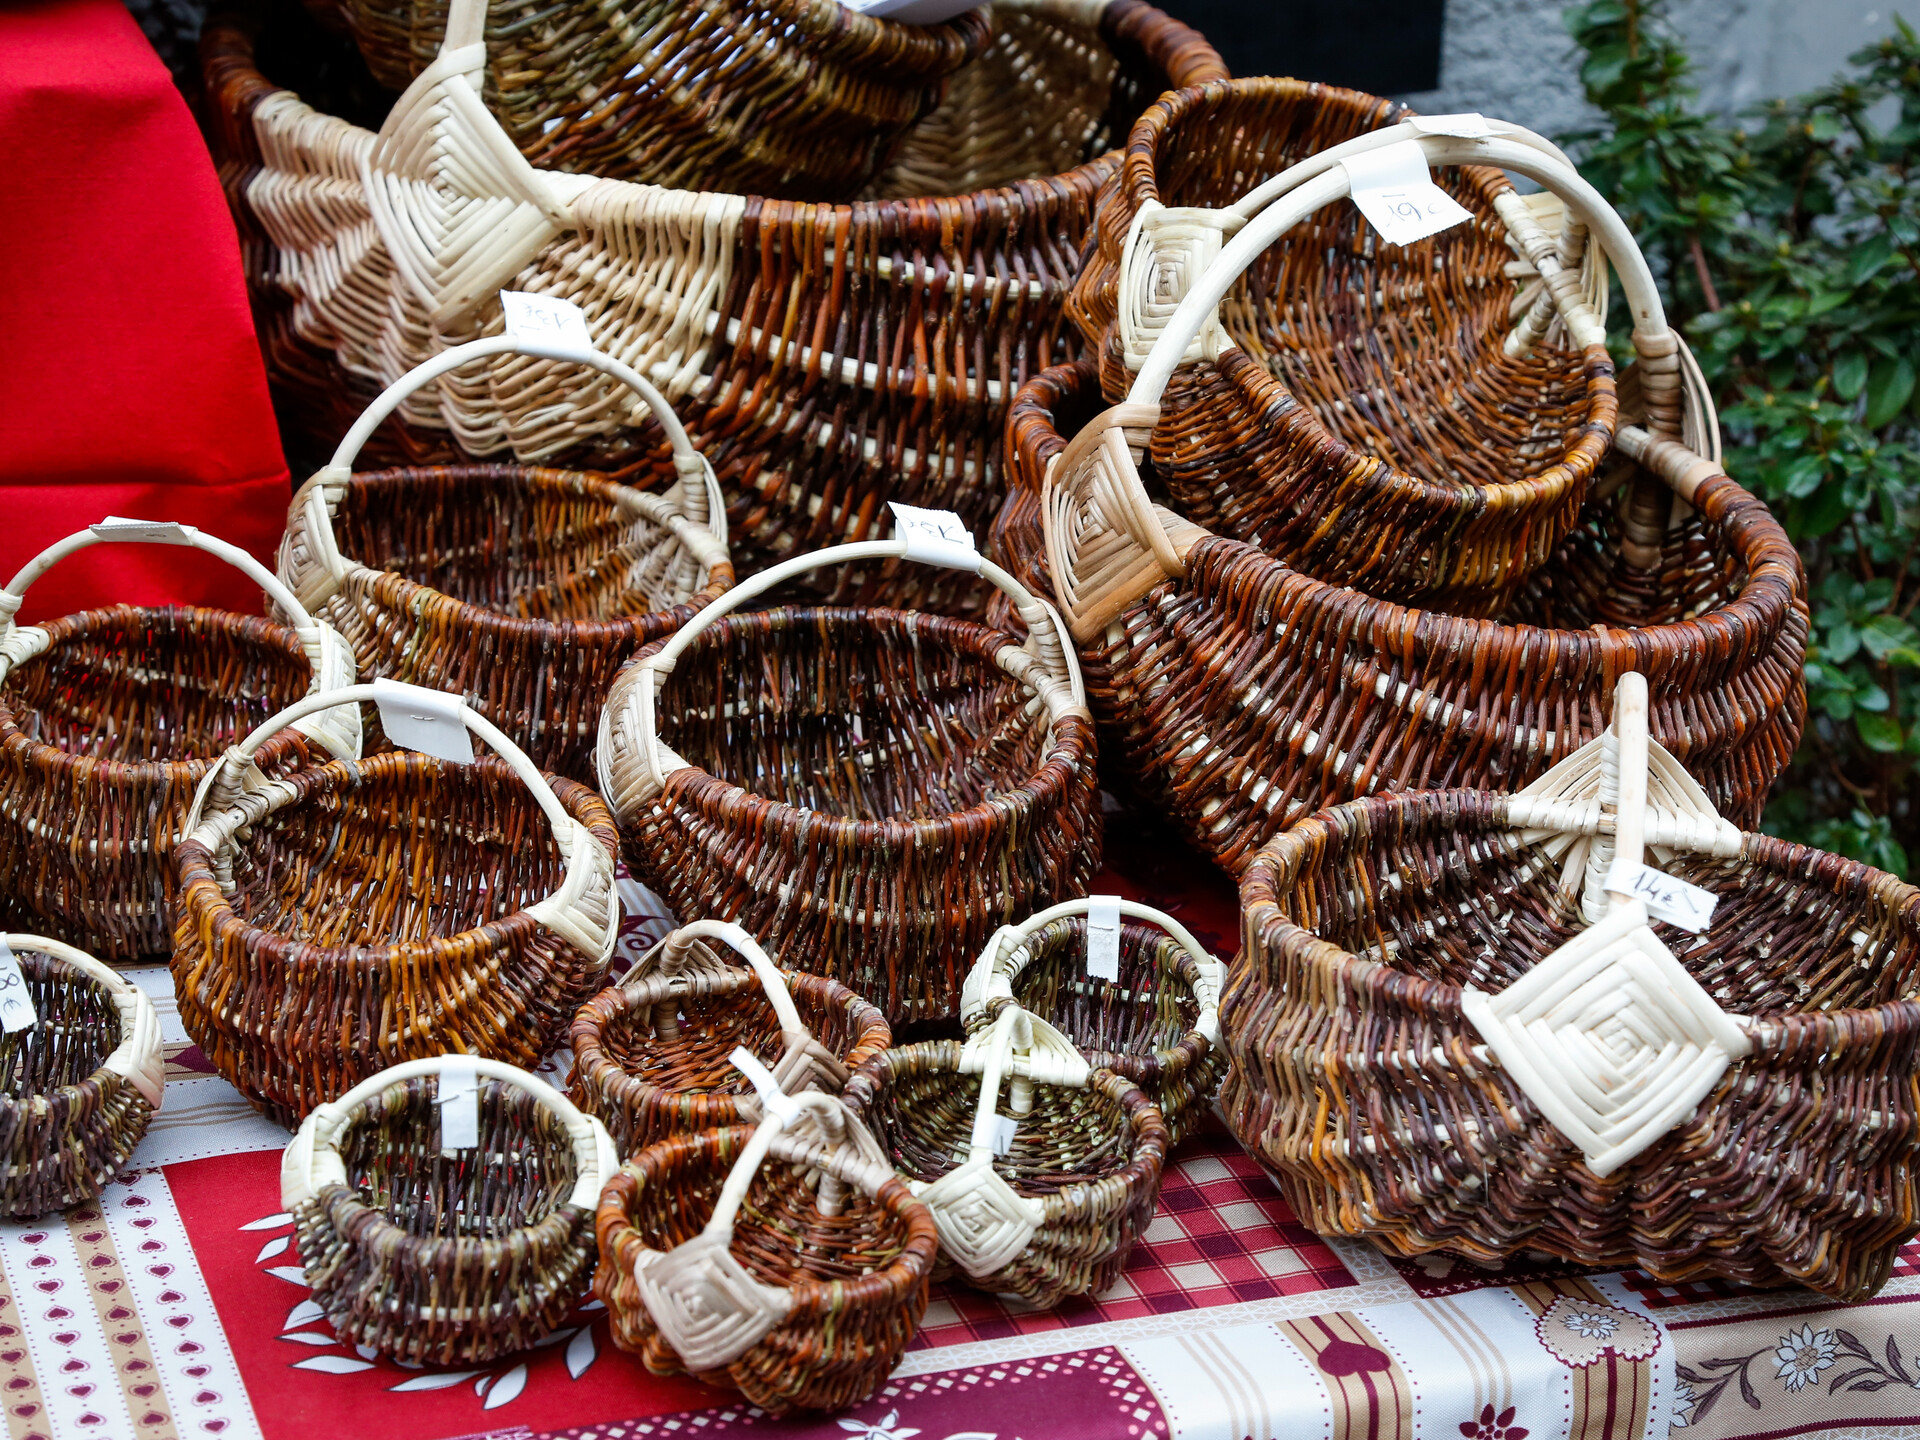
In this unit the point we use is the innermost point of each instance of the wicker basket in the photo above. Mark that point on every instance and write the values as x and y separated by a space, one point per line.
652 1055
81 1081
1601 1105
109 719
805 1282
1156 1022
1055 1213
869 792
436 1256
355 915
826 358
524 589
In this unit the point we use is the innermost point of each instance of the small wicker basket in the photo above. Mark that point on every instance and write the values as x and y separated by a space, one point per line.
1156 1021
869 792
352 916
652 1056
1488 1073
109 719
1049 1214
524 589
807 1279
81 1081
436 1256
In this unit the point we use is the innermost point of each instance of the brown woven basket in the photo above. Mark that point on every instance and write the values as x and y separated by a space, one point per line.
799 1284
109 719
1360 1080
446 1257
1241 695
524 589
652 1056
356 915
1155 1022
827 359
1053 1212
870 793
82 1077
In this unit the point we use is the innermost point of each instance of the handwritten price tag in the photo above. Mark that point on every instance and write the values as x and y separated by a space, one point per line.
1393 190
1005 1127
546 325
153 532
416 718
939 537
1469 125
459 1104
16 1005
1666 898
1103 937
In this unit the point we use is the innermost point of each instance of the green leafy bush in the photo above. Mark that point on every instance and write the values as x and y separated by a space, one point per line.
1789 251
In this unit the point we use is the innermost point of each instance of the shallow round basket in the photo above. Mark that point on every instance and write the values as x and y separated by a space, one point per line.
652 1055
352 916
79 1084
437 1258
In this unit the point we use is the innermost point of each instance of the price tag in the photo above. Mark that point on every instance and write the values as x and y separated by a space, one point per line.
152 532
1666 898
1397 195
773 1100
913 12
1103 937
546 325
416 718
938 537
459 1104
1471 125
16 1006
1005 1127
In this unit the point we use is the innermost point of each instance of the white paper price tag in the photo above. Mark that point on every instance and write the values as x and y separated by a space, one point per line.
1103 937
416 718
1470 125
913 12
1005 1127
16 1006
152 532
1666 898
773 1100
938 537
1397 195
459 1104
546 325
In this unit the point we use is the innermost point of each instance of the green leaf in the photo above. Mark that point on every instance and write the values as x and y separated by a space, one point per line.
1878 732
1889 387
1840 645
1850 375
1801 478
1886 634
1867 259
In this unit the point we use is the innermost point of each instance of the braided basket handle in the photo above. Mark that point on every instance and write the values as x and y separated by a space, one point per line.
137 1057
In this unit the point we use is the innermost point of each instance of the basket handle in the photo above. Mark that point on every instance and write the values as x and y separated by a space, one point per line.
673 950
1623 784
836 1125
137 1057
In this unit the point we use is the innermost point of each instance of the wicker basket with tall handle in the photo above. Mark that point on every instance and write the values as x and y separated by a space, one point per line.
1506 1058
523 588
433 1256
109 719
652 1056
1156 1020
351 916
868 792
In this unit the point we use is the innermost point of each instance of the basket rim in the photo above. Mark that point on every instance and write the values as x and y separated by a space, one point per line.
100 1077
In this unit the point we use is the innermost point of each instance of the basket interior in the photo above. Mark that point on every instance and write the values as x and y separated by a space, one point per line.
164 684
398 848
1149 1008
77 1028
868 715
709 1028
520 542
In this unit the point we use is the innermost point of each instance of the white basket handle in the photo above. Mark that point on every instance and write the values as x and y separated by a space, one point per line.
669 957
137 1057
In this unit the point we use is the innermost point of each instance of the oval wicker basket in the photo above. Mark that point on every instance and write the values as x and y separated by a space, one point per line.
803 1283
1369 927
1157 1023
82 1081
869 792
524 589
354 915
437 1257
827 358
1055 1212
108 720
652 1055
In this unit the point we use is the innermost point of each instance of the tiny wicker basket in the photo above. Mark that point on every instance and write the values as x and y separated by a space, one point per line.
82 1078
352 916
524 589
652 1055
1490 1074
109 719
435 1256
1049 1214
1156 1021
807 1279
869 792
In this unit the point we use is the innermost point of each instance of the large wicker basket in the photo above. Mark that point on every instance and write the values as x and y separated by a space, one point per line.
653 1055
438 1257
80 1083
352 916
109 719
524 589
826 358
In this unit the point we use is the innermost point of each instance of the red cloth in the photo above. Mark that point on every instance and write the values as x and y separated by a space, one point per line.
130 383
